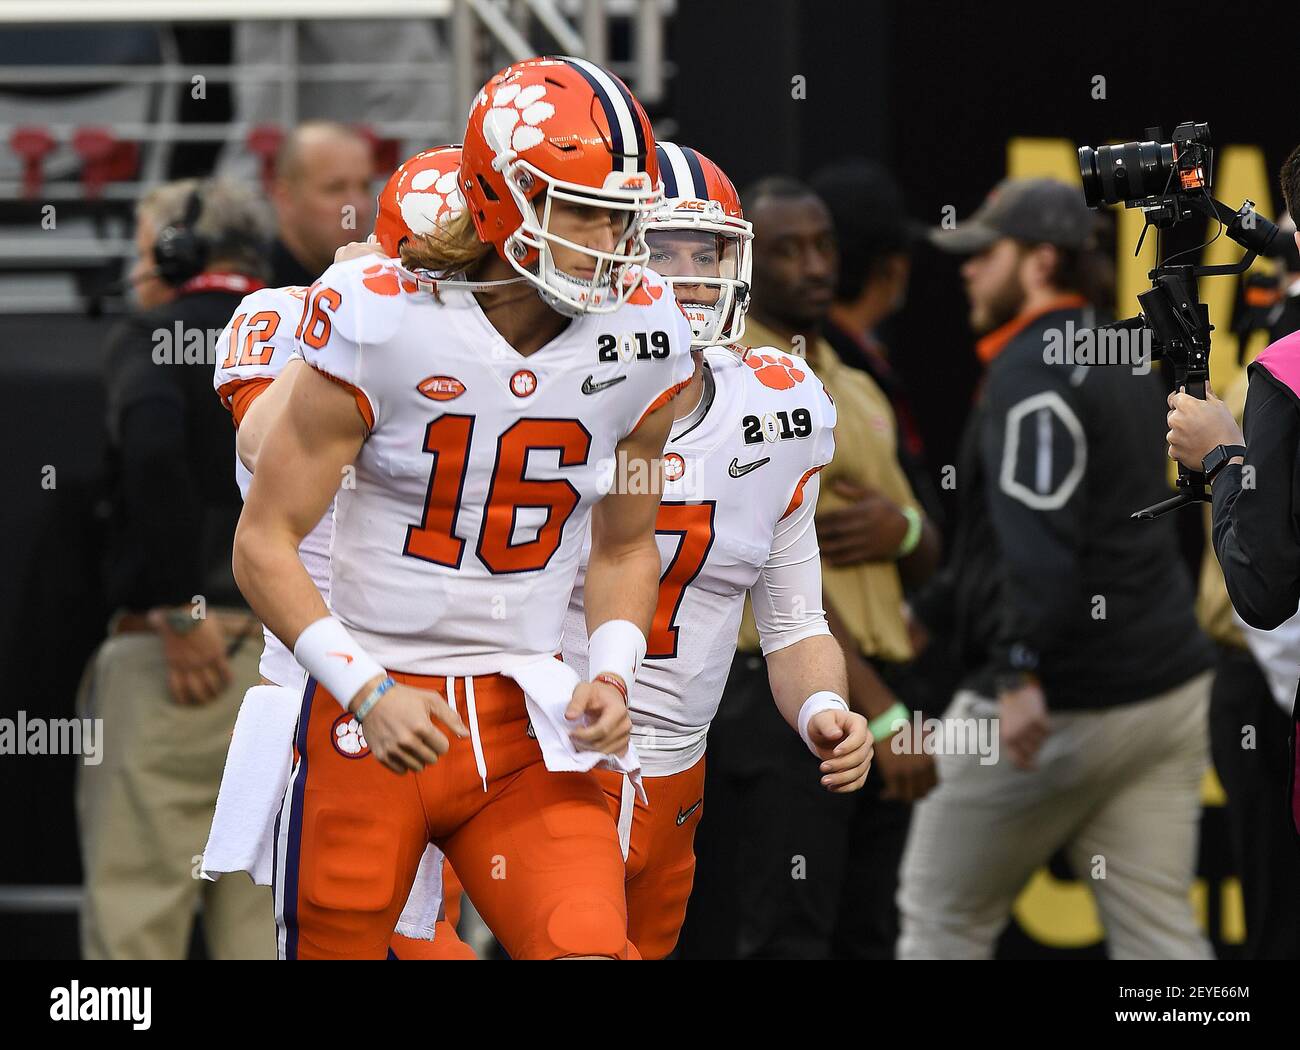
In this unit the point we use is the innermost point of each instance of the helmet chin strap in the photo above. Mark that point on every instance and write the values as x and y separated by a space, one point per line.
427 277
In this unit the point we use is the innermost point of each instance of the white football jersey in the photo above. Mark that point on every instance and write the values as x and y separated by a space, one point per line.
254 348
734 474
457 541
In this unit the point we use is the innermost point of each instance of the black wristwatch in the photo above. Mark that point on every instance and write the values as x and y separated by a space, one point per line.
1217 458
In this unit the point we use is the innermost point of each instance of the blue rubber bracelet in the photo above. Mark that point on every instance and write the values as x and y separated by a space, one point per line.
373 698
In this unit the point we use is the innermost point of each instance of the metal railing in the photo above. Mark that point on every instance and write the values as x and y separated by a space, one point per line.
482 34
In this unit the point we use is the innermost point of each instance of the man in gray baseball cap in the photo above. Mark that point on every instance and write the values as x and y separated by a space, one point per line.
1027 246
1073 624
1031 210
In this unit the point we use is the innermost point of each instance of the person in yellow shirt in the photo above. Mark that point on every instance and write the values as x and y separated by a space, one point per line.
781 873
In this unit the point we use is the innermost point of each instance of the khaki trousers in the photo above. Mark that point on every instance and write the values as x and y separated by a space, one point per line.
1119 788
143 813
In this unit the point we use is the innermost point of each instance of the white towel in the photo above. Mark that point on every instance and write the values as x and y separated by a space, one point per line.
1278 653
424 902
252 785
548 686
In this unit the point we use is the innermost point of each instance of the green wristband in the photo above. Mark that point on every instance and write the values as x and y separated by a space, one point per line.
913 536
885 724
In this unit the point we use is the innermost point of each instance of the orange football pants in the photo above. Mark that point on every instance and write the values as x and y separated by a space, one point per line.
537 851
659 843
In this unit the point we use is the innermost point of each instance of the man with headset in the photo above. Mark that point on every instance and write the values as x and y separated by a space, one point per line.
182 648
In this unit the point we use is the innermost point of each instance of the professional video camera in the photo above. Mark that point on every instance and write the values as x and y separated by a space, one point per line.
1170 182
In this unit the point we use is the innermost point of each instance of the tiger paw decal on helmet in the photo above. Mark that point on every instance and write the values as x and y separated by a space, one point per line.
512 103
419 197
777 372
431 199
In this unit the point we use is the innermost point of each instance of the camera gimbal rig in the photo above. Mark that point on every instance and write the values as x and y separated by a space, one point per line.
1178 322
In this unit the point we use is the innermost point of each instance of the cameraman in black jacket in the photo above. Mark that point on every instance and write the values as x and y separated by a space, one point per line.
1074 623
1256 481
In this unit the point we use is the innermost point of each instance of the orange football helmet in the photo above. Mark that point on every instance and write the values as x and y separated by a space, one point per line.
561 129
700 244
419 195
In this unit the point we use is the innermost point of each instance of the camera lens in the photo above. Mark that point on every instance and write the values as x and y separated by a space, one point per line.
1091 177
1127 172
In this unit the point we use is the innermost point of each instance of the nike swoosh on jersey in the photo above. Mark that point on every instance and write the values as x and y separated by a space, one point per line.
737 471
684 815
346 656
590 386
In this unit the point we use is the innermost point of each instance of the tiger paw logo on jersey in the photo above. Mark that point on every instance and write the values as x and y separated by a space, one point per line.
523 383
779 373
647 295
384 280
674 466
348 738
441 388
511 105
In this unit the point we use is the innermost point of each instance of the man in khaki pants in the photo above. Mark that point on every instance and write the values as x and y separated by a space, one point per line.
181 650
1080 724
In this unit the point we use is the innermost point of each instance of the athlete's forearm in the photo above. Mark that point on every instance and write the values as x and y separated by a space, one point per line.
623 568
868 694
809 666
622 583
300 464
272 578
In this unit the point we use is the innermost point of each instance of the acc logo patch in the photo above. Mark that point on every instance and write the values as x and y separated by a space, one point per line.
347 737
441 388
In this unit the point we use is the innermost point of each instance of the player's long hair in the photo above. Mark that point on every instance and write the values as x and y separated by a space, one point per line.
451 249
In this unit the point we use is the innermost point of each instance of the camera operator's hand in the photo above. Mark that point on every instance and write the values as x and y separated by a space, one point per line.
1196 426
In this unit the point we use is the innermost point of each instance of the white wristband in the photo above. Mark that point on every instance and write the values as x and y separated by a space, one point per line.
330 655
815 704
616 647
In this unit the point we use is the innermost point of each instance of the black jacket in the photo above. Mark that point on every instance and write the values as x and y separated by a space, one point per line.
1047 570
1257 528
171 458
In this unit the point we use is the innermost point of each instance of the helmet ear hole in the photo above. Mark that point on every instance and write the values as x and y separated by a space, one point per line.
488 192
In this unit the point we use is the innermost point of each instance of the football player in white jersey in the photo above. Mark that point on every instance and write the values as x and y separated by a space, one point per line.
255 370
753 428
476 434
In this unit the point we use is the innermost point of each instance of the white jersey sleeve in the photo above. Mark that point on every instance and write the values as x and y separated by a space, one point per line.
355 303
787 596
256 345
